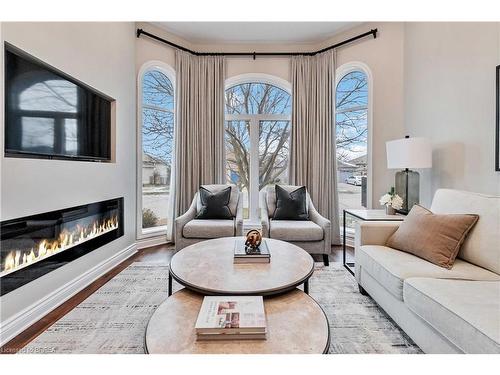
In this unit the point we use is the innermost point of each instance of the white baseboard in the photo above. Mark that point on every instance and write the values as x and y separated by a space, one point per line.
152 241
22 320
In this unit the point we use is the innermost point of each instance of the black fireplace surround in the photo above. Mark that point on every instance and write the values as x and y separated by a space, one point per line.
33 246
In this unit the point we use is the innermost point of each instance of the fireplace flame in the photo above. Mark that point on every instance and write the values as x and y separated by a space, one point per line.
17 259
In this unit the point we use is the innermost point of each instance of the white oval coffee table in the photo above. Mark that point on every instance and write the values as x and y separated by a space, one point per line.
296 325
207 267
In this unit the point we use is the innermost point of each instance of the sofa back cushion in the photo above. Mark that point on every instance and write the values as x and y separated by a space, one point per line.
216 188
271 197
435 238
482 245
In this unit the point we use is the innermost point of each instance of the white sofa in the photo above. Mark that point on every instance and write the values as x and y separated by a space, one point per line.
189 230
443 311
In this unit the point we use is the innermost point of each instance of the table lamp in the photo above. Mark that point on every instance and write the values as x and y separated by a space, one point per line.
405 154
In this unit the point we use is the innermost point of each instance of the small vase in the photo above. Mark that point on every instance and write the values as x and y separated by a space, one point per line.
389 210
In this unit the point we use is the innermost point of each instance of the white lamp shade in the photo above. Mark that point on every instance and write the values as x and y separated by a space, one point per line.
409 153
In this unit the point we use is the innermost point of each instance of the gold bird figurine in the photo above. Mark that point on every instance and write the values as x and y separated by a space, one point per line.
253 240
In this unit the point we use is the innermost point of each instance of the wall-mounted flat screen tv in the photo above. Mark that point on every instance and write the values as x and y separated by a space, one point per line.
49 114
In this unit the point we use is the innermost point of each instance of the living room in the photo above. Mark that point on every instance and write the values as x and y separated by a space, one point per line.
338 179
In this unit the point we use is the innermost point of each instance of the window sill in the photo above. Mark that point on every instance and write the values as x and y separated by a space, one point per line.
152 232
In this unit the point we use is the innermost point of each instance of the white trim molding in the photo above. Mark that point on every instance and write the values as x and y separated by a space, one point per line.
259 78
170 73
14 325
340 73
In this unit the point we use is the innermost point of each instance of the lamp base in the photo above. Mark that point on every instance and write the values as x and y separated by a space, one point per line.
408 188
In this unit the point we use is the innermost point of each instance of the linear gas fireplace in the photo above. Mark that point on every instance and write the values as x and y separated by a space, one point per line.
34 245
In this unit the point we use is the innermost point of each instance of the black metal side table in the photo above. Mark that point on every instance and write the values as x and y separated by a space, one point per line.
364 215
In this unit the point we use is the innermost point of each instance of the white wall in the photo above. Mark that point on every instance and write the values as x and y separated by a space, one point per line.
384 56
101 55
450 98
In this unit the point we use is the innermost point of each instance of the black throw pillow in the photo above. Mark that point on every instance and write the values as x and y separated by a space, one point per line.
214 205
291 206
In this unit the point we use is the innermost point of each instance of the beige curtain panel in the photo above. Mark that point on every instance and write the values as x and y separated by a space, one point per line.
199 129
312 153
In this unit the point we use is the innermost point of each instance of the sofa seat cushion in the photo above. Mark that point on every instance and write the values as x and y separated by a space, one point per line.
293 230
198 228
466 312
391 267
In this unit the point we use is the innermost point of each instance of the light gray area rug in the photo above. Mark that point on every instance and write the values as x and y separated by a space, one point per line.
114 319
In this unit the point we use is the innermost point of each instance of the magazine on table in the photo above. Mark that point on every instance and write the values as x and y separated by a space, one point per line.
224 336
231 315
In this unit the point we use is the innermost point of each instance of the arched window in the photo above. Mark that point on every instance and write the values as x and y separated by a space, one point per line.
156 142
351 111
352 120
258 114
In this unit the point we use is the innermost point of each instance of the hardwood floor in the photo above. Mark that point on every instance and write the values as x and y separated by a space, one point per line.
160 254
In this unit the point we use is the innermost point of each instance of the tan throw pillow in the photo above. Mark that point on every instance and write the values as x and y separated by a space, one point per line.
435 238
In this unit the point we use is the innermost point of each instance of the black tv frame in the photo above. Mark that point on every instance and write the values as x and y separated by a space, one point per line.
36 155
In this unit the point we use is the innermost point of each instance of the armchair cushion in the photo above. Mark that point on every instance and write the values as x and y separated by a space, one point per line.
214 205
208 228
215 188
270 197
295 230
392 267
291 205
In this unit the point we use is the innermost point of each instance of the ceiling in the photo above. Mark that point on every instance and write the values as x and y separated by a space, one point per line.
255 32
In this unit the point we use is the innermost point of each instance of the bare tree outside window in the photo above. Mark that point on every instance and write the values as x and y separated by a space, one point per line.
351 140
157 147
351 116
238 153
158 115
274 137
257 99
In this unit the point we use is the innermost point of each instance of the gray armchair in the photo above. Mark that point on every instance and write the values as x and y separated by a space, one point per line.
189 230
314 235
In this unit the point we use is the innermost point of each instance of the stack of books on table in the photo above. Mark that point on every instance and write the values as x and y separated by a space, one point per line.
231 318
261 255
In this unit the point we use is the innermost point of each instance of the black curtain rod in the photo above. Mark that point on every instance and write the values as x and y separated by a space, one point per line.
372 32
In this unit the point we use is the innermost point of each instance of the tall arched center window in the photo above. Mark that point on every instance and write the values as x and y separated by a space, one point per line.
156 142
257 138
352 135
